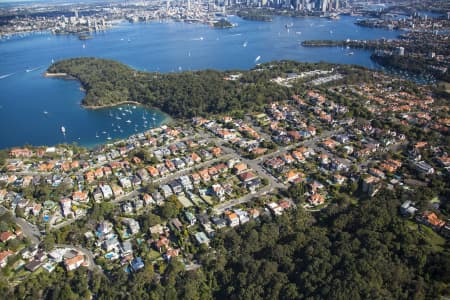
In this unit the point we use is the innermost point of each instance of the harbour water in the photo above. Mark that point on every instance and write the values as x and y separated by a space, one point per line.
33 108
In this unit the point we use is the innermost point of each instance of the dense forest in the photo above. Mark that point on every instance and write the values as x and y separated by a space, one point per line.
414 65
185 94
349 251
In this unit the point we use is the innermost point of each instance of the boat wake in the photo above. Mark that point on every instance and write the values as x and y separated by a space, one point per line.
6 75
33 69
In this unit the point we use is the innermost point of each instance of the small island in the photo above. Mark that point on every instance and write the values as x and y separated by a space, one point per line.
84 37
253 15
222 23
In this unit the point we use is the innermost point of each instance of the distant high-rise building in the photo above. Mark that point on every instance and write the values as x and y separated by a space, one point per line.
324 5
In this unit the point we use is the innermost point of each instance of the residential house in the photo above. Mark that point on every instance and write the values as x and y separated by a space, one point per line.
218 191
252 185
338 179
216 151
136 181
125 182
137 264
190 218
143 174
329 144
89 176
179 163
166 191
430 218
204 174
176 186
106 191
74 262
247 176
423 167
176 224
157 229
98 173
232 219
117 190
80 196
153 171
186 182
103 228
370 185
171 253
201 238
132 224
407 209
316 199
195 178
33 265
127 207
291 175
66 207
195 157
254 213
111 243
242 215
377 172
275 208
239 168
219 222
161 244
285 204
169 165
148 199
126 248
7 236
158 197
4 257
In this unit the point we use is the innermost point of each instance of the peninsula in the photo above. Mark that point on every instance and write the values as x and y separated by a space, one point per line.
185 95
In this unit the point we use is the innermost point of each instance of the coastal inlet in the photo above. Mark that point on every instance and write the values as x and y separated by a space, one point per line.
43 121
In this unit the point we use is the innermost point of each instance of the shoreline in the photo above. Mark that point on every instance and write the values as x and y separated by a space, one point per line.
59 76
95 107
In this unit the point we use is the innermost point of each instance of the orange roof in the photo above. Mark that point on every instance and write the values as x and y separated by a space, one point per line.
420 144
240 167
5 236
195 156
317 199
75 164
216 151
79 195
291 174
74 260
232 216
433 219
5 254
153 171
136 160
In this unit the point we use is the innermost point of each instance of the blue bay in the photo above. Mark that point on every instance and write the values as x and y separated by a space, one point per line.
155 46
